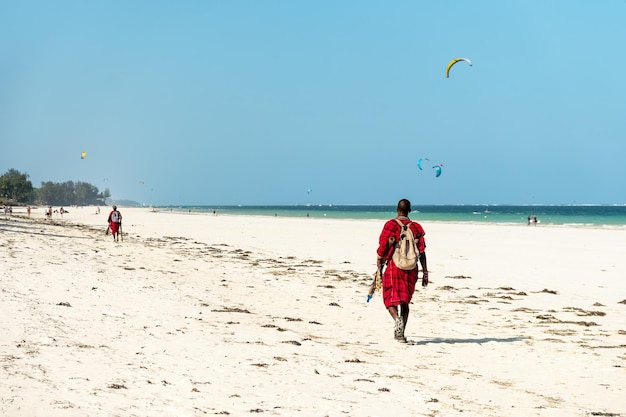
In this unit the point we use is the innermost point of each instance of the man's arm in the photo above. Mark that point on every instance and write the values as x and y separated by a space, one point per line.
424 269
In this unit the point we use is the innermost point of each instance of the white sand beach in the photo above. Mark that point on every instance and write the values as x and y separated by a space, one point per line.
200 315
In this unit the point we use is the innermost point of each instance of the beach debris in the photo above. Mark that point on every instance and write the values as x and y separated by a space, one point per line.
622 302
454 61
458 276
580 312
583 323
333 304
562 332
547 291
117 386
525 310
473 300
292 342
64 304
549 318
231 310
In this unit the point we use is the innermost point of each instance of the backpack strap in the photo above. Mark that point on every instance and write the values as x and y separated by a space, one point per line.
402 225
403 229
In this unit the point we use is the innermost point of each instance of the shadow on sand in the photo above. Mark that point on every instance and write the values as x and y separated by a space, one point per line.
478 341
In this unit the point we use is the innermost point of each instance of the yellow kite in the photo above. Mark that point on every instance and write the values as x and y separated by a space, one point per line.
454 61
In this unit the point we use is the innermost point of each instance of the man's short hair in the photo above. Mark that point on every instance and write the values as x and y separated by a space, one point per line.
404 206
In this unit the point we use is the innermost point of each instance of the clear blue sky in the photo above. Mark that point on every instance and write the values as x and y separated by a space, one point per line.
254 102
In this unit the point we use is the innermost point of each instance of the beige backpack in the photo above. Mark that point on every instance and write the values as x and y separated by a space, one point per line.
405 254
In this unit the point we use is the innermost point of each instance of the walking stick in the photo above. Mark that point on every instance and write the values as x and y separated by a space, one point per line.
377 282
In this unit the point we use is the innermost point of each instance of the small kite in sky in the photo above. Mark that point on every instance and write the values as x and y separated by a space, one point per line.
308 191
437 169
454 61
83 155
419 163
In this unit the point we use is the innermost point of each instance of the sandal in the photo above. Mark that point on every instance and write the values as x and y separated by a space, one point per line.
398 329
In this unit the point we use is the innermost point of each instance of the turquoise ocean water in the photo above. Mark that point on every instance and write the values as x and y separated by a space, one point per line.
613 216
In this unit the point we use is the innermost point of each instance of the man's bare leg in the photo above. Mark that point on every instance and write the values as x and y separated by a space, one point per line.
398 330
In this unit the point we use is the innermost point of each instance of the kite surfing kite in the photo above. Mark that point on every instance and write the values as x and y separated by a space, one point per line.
83 155
454 61
419 163
437 169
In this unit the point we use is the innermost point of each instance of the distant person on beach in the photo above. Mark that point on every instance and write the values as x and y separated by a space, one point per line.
535 220
28 211
49 212
115 223
398 284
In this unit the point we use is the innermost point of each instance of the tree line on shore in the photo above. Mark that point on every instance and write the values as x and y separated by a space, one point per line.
16 189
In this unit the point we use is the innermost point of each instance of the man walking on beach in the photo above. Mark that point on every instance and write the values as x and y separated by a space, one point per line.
398 284
115 223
